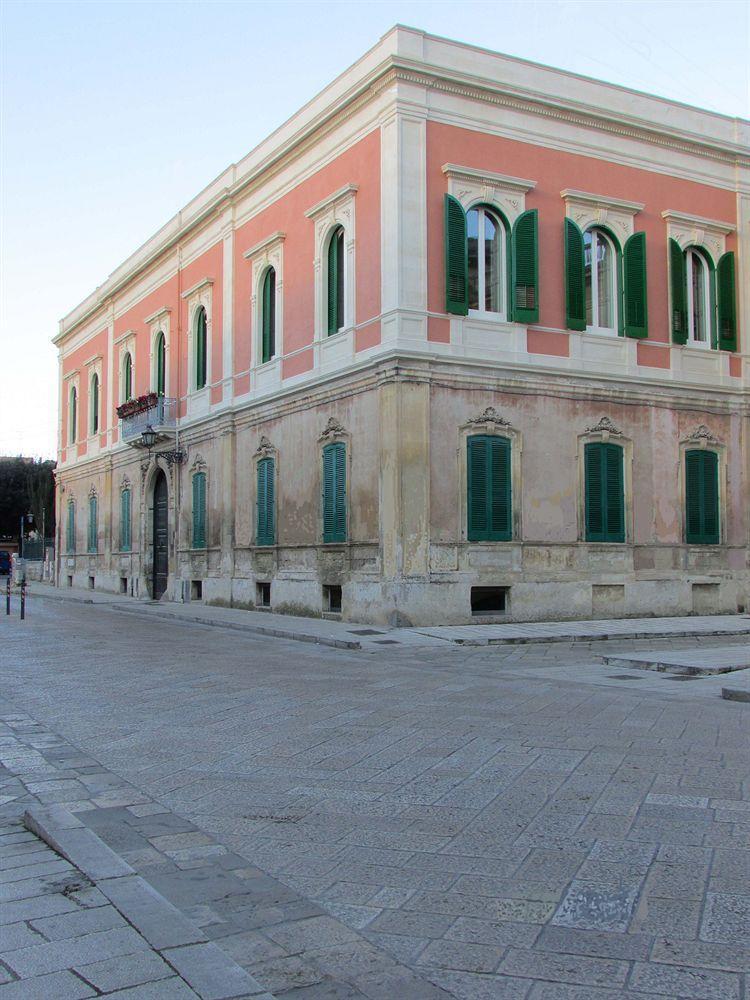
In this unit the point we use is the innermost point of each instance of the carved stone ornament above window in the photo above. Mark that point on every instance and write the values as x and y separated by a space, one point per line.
604 427
490 416
702 436
333 430
92 491
588 210
472 187
125 484
199 463
694 230
265 449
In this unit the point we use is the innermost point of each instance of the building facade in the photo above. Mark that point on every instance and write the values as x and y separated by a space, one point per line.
465 339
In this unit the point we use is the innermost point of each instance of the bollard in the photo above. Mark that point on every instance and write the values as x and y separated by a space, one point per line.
7 597
23 600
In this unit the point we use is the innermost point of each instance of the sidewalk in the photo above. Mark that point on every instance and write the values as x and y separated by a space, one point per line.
350 635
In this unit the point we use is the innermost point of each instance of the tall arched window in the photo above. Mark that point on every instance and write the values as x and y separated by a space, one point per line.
600 281
70 533
698 297
201 347
94 404
93 532
160 364
335 281
486 257
127 377
73 414
268 316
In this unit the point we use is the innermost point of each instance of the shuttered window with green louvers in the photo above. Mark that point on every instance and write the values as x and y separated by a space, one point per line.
334 492
266 490
268 332
456 258
575 295
125 542
489 500
92 539
161 364
70 535
635 293
199 510
525 268
201 347
702 526
604 493
335 281
678 292
127 377
726 302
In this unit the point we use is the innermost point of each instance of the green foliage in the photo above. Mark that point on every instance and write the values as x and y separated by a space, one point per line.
26 484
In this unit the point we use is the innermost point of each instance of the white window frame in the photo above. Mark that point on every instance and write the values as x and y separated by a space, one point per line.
95 411
269 253
334 211
608 331
74 414
502 262
199 295
126 352
692 254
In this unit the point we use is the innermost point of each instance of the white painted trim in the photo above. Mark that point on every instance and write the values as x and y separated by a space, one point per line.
488 178
699 222
347 191
602 199
196 287
155 316
265 245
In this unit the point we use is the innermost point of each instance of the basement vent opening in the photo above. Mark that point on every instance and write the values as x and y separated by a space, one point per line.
70 580
332 599
263 595
489 600
92 582
123 585
196 590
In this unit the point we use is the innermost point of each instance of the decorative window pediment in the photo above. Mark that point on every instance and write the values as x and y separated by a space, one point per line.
588 210
471 187
694 230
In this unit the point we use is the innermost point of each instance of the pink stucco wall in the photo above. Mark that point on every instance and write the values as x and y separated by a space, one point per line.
96 345
554 171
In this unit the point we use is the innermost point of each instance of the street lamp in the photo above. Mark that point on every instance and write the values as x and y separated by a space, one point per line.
148 437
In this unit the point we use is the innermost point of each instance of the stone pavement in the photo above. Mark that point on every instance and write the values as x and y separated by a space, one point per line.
501 821
706 660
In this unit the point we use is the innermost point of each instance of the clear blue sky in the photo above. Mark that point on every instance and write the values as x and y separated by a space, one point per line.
115 114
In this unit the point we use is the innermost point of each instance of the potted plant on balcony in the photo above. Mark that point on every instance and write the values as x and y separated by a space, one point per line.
137 405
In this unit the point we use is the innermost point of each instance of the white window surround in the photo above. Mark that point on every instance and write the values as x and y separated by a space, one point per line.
268 253
326 216
597 235
93 367
159 322
615 214
695 230
199 295
694 258
127 344
501 265
73 383
606 432
471 187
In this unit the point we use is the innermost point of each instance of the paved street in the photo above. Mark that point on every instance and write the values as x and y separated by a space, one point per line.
480 822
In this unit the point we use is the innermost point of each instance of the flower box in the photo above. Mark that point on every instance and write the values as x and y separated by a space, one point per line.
137 405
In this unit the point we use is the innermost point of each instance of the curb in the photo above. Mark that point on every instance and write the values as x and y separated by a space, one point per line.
202 964
735 694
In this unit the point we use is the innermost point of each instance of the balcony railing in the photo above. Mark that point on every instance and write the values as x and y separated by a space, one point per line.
161 417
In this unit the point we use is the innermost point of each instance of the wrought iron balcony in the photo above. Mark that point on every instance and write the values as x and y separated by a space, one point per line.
155 413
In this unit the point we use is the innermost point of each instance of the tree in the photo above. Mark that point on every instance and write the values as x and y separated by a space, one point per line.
26 485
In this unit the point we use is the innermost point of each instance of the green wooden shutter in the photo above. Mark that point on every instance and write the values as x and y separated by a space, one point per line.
635 293
269 316
335 320
94 404
575 289
71 530
128 387
456 258
160 365
702 526
73 415
125 521
726 302
199 510
489 502
266 528
604 496
678 288
334 492
92 524
201 334
525 258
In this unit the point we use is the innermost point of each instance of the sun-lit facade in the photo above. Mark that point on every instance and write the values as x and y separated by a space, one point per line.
464 339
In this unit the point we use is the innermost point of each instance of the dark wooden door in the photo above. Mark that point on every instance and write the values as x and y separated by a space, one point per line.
161 536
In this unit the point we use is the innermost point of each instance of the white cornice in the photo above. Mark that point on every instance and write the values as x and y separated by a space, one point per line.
124 336
265 245
519 184
92 360
163 311
699 222
196 287
602 200
69 375
346 191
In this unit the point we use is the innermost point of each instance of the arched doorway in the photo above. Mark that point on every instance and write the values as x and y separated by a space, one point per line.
161 536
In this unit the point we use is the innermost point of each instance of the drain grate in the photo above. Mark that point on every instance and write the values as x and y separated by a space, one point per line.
624 677
680 677
364 631
387 642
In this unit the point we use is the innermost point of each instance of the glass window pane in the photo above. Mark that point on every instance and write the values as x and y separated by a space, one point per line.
472 232
491 264
605 283
588 263
699 296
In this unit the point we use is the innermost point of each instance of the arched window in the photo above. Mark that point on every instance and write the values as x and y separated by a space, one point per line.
93 527
94 404
160 364
698 297
201 334
335 281
268 316
127 377
73 414
486 252
600 281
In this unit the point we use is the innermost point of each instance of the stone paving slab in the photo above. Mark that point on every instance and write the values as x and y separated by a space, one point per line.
705 661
